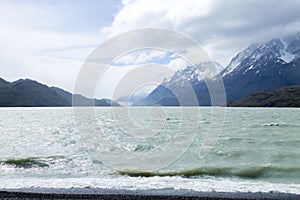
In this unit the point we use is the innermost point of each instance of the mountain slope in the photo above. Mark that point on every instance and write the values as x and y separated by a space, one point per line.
283 97
2 82
64 94
29 93
83 101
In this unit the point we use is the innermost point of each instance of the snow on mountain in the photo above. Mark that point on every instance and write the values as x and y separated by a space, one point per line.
256 56
293 44
236 61
193 74
287 57
181 77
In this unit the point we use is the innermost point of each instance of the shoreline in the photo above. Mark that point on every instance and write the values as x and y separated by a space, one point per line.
98 193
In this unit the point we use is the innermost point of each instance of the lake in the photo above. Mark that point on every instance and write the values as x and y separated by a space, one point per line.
194 148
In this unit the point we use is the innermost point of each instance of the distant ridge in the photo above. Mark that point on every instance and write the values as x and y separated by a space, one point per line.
283 97
30 93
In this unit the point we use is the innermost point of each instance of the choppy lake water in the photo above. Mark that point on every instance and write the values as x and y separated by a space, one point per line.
258 149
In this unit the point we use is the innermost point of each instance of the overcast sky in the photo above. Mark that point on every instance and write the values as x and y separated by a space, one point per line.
48 40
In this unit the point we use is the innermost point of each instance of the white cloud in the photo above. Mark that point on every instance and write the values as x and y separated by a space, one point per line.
122 81
43 55
222 28
140 57
178 63
31 45
156 14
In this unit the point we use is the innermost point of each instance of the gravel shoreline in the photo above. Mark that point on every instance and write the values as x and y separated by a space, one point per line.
97 193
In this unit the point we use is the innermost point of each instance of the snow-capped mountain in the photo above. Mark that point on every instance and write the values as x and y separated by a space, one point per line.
259 67
189 76
181 77
193 74
256 56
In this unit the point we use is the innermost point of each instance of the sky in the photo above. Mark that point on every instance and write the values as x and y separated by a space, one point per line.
49 40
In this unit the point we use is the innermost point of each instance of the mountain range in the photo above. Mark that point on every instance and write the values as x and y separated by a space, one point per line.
30 93
271 65
260 67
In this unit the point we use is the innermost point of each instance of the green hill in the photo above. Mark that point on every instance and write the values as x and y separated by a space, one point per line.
283 97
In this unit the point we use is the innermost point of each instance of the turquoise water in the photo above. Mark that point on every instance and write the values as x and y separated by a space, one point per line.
251 149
